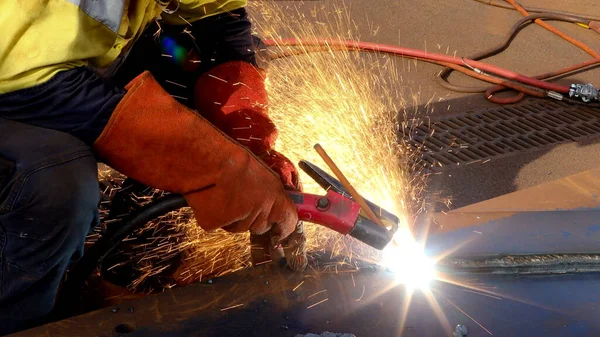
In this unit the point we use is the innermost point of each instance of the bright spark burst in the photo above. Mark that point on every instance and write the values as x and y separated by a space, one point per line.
349 102
354 105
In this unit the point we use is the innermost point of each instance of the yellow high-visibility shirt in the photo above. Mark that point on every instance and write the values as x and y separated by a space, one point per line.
39 38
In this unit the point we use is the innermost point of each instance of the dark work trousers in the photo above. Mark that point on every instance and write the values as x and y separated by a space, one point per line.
49 190
48 203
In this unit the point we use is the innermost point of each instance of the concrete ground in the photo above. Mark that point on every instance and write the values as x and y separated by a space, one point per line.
467 26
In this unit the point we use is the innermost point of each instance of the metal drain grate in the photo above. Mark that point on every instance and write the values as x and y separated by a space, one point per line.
480 136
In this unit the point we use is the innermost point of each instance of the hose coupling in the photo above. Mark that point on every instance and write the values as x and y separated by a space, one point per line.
586 92
556 95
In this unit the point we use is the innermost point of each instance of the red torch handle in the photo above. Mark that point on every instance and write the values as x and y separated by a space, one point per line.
332 210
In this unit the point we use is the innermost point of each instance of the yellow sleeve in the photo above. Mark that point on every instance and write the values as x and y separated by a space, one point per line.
193 10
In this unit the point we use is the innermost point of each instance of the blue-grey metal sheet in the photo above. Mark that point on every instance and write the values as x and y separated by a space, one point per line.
551 232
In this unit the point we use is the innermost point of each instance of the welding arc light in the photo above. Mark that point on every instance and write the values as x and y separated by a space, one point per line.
406 258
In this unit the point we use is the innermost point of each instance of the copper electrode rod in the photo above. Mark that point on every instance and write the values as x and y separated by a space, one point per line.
347 185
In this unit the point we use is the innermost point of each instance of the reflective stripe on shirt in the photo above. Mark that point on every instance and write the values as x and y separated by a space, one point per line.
108 12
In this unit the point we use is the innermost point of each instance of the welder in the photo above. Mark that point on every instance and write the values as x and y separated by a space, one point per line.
204 133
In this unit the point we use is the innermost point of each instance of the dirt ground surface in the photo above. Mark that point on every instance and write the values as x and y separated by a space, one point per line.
465 27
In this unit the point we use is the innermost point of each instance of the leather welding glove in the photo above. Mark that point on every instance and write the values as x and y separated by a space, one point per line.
155 140
294 246
233 97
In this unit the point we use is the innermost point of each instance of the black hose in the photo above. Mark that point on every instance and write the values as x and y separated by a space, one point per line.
108 242
503 4
442 77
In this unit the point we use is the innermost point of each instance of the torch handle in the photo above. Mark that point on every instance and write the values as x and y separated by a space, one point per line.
331 210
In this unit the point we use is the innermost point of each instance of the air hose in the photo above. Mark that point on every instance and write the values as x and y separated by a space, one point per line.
424 56
502 78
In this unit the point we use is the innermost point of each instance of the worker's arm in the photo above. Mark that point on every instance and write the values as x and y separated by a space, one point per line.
80 103
229 38
157 141
75 101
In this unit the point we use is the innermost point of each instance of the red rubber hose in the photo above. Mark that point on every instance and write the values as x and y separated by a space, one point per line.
489 94
502 84
416 53
569 69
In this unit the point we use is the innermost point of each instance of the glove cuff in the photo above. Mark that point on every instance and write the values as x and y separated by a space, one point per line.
233 97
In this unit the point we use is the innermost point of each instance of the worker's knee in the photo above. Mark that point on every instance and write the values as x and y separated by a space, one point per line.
61 197
47 206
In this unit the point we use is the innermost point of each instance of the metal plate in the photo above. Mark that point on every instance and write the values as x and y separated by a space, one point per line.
519 233
268 301
487 134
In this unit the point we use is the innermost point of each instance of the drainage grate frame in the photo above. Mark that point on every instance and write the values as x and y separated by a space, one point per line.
483 135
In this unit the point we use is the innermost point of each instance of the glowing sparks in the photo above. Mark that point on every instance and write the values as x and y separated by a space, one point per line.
342 99
232 307
464 313
175 83
353 104
317 293
217 78
361 294
264 262
298 286
314 305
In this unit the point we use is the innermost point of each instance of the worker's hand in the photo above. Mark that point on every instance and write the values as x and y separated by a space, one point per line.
293 247
155 140
291 251
247 196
